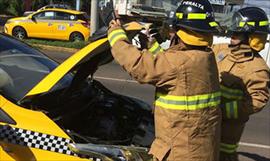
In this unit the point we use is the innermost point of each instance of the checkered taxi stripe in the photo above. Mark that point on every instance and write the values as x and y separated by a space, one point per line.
38 140
35 140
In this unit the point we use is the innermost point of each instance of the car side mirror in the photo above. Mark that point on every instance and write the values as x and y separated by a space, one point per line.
33 18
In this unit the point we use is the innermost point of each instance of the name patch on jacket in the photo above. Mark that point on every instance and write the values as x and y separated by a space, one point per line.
220 57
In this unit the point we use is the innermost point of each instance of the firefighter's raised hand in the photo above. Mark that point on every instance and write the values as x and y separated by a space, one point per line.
115 23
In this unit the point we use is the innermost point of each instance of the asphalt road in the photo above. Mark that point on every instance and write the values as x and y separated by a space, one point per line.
255 142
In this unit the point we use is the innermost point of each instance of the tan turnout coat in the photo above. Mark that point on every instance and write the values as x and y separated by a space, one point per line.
187 120
244 78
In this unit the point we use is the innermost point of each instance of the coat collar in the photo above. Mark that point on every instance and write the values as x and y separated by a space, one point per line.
241 53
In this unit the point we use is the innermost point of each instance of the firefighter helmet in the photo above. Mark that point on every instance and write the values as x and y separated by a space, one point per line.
251 20
196 15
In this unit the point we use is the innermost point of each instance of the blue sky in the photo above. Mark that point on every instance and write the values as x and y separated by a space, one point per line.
264 4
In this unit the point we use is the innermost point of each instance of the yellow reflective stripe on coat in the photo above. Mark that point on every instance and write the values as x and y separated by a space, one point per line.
187 102
231 110
116 35
155 48
228 148
263 23
230 93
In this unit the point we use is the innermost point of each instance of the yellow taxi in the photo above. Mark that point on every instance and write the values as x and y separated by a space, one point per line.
53 23
59 112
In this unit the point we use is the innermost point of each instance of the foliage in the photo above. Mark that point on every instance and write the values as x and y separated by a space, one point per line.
36 4
16 7
67 44
12 7
4 4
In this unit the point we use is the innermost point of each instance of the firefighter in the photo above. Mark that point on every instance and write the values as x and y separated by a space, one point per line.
187 117
244 76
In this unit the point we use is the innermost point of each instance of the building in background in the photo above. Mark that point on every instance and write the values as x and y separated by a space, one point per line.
220 6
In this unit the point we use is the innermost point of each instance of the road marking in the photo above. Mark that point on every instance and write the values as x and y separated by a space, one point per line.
116 79
255 145
241 143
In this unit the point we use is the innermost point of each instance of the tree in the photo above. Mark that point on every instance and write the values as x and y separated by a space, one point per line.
4 4
37 4
16 7
12 7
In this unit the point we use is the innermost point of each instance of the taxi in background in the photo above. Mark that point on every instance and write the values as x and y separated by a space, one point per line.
52 23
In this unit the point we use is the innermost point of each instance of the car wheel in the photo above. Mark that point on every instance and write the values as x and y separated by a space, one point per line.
76 36
19 33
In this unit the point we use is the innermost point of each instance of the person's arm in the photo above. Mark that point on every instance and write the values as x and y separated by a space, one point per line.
257 88
141 65
237 105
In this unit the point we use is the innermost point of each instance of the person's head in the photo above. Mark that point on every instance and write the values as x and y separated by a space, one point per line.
250 26
238 38
195 23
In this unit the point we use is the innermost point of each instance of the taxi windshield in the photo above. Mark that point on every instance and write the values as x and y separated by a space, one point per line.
22 67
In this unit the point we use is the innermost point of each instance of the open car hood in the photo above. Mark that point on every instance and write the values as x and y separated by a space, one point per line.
84 61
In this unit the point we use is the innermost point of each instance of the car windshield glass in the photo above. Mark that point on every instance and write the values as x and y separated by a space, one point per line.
22 67
63 16
83 17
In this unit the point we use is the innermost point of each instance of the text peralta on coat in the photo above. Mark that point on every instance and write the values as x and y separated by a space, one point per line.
187 117
244 78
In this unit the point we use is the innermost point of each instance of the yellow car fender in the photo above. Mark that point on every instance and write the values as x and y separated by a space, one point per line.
34 136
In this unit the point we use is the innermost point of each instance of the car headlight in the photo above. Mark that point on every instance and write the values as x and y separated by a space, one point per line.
8 22
111 152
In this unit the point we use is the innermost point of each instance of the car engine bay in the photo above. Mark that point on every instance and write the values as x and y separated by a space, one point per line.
91 113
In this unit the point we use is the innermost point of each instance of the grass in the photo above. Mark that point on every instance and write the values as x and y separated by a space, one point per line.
66 44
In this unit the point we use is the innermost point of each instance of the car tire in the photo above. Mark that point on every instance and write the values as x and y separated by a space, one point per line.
76 36
19 33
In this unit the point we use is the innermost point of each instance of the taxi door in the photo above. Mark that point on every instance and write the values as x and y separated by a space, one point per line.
42 25
30 135
62 24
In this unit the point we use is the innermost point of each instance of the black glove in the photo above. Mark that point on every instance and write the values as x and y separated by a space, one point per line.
143 38
154 33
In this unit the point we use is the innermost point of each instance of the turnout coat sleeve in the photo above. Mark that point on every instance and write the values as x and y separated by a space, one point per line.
143 66
257 88
253 78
